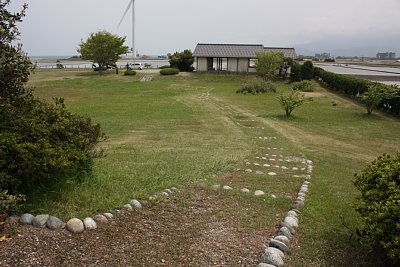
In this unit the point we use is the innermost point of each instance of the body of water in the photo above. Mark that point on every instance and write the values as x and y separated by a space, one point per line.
51 63
384 75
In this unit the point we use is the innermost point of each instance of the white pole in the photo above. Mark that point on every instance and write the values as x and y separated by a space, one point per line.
133 29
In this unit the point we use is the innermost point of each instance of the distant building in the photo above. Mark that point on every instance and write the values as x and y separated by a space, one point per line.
322 56
233 57
386 56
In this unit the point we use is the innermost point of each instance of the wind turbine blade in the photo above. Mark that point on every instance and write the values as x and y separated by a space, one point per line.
126 11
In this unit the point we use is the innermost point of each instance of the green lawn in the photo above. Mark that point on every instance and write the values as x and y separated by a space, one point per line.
194 128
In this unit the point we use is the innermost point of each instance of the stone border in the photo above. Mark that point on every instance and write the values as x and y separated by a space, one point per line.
279 246
75 225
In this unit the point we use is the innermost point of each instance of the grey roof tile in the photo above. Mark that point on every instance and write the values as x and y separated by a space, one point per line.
238 50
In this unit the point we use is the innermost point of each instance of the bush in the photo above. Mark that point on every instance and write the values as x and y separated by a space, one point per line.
9 204
307 71
257 88
379 204
130 73
98 69
295 72
169 71
42 143
304 86
165 67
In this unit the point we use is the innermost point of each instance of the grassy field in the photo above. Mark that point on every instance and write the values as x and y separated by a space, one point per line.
194 128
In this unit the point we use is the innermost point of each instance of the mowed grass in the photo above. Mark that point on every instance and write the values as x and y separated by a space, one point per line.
191 128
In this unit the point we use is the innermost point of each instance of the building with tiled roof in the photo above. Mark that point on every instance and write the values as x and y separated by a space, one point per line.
232 57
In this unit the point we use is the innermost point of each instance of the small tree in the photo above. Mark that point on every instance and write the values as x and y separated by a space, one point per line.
377 92
307 71
291 101
268 63
102 48
182 61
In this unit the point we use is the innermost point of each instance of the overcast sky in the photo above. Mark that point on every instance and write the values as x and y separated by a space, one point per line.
359 27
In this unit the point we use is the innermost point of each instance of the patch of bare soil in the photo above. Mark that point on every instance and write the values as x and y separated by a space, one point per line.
195 228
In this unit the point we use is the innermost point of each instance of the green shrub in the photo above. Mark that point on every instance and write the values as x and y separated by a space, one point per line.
257 88
307 70
304 86
130 73
165 67
169 71
9 204
42 143
379 204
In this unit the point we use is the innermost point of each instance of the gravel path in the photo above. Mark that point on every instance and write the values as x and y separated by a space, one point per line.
192 229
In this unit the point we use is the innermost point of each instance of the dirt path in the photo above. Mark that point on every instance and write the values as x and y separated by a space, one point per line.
192 229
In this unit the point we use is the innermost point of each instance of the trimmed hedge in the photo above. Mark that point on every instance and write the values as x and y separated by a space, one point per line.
379 204
130 73
257 88
169 71
355 87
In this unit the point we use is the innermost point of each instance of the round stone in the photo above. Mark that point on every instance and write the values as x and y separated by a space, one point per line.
288 226
283 239
128 207
12 219
272 256
286 232
169 191
271 173
136 204
108 215
279 245
298 204
273 196
75 226
26 219
89 223
259 172
259 193
262 264
54 223
164 194
292 213
100 219
227 187
40 220
267 165
249 170
245 190
216 187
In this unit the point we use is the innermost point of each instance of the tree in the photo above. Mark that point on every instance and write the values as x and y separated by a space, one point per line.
182 61
291 101
307 71
268 63
103 48
15 65
39 142
377 92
